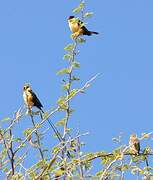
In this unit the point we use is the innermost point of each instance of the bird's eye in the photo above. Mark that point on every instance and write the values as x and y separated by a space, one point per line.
25 87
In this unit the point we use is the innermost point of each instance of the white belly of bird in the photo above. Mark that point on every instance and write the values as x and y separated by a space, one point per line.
25 98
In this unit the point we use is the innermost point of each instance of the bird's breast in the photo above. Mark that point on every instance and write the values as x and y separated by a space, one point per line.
74 27
28 99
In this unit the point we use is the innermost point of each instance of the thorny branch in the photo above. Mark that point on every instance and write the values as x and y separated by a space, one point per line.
9 148
84 87
38 138
56 154
18 115
110 164
79 158
69 88
12 153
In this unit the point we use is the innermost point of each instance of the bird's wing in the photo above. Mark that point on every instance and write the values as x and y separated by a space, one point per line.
137 146
84 29
36 101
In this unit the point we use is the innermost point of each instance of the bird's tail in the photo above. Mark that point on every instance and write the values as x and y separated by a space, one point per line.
41 110
93 32
55 130
53 127
57 133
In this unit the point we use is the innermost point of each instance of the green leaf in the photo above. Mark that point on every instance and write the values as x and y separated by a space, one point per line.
23 145
55 149
124 167
75 64
2 131
64 71
88 14
32 175
5 119
79 8
45 115
61 102
3 152
81 40
75 78
67 56
66 86
6 170
59 172
61 122
147 149
17 140
68 130
145 135
72 93
69 47
27 131
99 173
134 169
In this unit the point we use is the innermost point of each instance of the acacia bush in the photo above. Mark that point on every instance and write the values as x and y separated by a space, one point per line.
65 160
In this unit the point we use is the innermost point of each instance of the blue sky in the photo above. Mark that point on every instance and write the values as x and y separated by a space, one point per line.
32 37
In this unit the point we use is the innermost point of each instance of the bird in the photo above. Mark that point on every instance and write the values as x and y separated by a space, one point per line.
134 144
31 99
77 26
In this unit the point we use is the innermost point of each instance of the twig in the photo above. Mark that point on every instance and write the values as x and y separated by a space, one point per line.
108 167
86 85
9 149
38 126
38 138
55 155
69 88
18 115
80 164
12 153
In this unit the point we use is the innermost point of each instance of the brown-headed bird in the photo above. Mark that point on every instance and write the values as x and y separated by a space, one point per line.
134 144
31 99
77 26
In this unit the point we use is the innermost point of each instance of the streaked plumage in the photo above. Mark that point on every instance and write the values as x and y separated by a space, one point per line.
76 26
134 144
30 98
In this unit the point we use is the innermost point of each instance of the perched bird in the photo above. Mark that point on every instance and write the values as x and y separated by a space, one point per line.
134 144
77 26
30 98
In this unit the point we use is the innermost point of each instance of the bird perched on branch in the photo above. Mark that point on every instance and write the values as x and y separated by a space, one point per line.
31 99
77 27
134 144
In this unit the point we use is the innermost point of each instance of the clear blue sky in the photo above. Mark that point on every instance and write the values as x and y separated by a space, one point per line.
32 37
